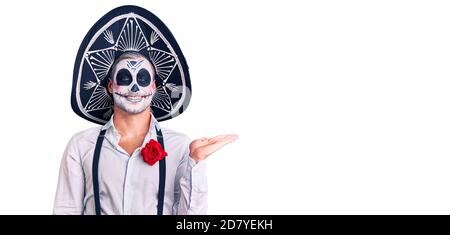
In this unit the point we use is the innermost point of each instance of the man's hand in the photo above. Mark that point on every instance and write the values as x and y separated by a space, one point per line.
201 148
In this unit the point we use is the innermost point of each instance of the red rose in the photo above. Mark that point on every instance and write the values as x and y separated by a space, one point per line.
153 152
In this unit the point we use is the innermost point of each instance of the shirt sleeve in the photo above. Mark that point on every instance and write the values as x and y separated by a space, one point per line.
70 189
191 187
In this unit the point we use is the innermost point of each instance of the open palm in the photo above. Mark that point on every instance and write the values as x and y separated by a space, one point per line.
201 148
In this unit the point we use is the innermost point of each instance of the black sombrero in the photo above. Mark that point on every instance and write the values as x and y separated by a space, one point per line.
126 29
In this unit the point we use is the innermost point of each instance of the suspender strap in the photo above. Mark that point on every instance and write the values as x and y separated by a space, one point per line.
98 147
162 174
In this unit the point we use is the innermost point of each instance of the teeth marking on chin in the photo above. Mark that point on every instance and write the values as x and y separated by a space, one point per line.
133 98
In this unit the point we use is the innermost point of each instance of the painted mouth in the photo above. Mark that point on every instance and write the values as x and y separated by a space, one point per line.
133 98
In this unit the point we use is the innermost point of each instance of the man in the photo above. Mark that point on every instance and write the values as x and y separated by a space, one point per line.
131 165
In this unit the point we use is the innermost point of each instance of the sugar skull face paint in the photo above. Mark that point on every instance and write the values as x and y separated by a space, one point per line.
133 84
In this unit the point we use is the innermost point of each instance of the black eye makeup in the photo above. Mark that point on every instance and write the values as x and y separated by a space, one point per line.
123 77
143 78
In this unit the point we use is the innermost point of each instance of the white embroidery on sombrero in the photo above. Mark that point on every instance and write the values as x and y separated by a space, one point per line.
89 85
107 114
108 36
100 62
161 99
132 38
172 87
154 37
99 99
164 63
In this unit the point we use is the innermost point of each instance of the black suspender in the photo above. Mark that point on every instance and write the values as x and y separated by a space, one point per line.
162 174
98 148
95 183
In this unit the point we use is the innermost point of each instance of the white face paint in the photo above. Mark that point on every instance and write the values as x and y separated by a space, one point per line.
133 84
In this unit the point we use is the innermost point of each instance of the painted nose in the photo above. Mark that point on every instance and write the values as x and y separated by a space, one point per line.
134 88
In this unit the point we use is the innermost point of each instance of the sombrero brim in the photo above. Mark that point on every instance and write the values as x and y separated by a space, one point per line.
129 28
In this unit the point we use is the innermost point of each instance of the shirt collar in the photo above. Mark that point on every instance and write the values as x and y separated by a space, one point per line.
113 136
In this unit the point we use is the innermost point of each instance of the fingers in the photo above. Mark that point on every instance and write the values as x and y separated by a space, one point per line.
210 149
229 138
217 144
222 137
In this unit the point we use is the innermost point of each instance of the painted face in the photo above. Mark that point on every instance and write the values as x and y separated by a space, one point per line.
133 85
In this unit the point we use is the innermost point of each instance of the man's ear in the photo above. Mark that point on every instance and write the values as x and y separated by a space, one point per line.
153 86
110 90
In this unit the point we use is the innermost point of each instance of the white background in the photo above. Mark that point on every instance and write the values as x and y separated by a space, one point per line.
342 107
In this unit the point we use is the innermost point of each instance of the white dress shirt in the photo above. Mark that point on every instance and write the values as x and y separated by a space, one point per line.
127 184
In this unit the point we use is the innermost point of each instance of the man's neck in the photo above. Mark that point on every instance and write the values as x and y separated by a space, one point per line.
131 124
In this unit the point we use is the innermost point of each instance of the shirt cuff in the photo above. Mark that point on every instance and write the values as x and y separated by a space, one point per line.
193 163
198 175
